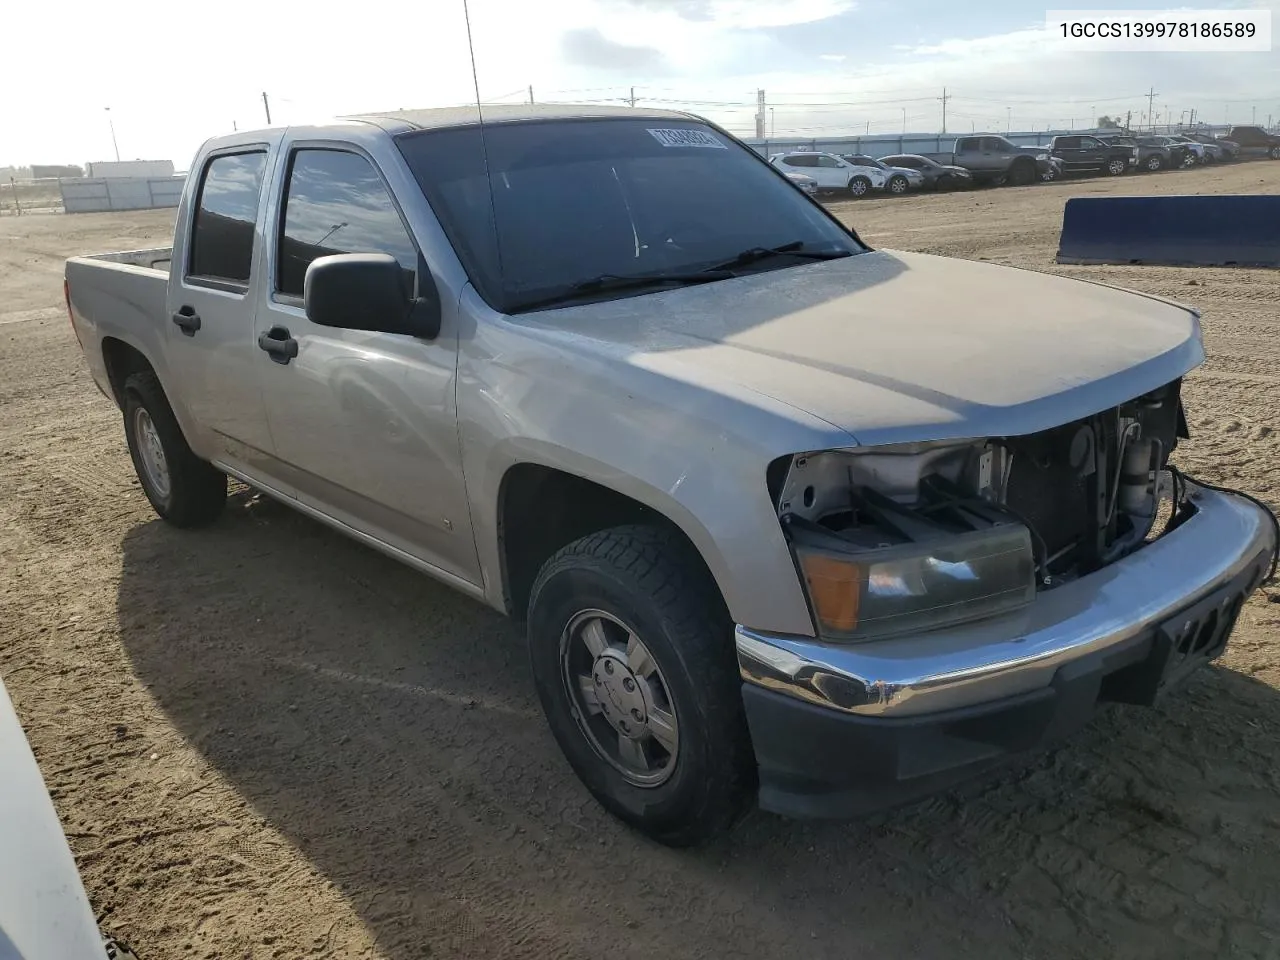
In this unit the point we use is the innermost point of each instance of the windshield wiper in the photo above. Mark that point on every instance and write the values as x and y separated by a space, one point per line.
606 282
793 249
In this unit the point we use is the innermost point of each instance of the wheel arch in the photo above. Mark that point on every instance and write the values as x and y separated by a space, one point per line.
542 508
122 360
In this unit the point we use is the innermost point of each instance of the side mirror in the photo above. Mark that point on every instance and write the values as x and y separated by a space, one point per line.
366 291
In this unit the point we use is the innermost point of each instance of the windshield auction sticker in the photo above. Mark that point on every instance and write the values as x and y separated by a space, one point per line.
687 138
1190 31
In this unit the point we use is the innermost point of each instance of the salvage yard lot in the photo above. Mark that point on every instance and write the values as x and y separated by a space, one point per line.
265 740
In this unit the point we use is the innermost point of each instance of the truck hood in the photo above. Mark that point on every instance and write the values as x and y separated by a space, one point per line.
895 347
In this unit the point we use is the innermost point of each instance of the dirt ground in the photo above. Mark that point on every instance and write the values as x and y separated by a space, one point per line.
267 741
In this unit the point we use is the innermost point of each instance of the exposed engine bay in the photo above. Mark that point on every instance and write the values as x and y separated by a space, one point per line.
1088 491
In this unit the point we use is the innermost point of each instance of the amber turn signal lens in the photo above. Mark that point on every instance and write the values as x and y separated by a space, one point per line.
835 590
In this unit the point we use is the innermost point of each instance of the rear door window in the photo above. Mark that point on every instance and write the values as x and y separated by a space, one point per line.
223 226
801 160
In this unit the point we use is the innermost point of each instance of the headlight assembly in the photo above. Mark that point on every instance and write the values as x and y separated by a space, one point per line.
918 586
900 540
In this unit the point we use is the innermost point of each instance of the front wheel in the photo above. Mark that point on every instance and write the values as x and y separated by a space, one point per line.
1117 166
898 185
1049 174
1274 153
1188 161
633 659
1154 162
859 187
184 490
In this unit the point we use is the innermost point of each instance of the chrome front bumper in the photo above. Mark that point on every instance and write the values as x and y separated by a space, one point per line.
1020 652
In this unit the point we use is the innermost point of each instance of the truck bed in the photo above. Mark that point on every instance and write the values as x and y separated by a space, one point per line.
122 296
156 258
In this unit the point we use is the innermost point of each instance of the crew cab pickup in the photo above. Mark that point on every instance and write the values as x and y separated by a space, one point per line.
1083 154
1254 142
783 514
992 159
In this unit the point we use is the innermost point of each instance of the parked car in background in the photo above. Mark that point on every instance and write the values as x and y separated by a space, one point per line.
1085 154
1199 150
937 176
832 172
1210 152
1227 149
1255 142
1180 154
898 179
993 159
1151 156
805 182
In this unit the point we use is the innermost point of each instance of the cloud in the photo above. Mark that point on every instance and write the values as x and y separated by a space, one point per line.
588 47
749 14
834 57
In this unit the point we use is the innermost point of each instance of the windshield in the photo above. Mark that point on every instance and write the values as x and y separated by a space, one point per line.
577 200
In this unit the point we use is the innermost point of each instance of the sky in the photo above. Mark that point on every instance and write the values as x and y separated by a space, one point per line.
183 72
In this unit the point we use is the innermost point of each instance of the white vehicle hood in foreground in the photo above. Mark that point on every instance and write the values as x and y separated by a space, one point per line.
895 347
44 912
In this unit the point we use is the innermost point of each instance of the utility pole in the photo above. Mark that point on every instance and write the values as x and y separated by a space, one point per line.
632 100
1128 120
945 98
114 145
267 107
773 127
531 94
1255 116
1008 120
233 126
1151 106
760 115
904 120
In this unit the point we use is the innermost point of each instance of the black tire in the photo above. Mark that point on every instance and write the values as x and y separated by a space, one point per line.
1154 162
897 185
1022 173
1049 175
859 187
197 491
651 581
1274 153
1116 166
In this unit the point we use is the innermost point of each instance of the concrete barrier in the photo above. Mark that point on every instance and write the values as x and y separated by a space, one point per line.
98 194
1200 231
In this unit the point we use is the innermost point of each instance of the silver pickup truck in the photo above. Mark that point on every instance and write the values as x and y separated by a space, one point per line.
784 515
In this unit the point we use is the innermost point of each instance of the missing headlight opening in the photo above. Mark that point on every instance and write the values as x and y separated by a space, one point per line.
980 525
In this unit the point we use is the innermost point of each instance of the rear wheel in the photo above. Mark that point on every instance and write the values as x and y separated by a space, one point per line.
184 490
1188 160
633 660
1274 153
898 185
1049 174
1154 162
859 186
1117 166
1021 174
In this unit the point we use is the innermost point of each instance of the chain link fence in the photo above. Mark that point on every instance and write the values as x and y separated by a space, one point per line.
18 197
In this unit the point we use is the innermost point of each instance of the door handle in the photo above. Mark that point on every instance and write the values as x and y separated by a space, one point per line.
279 345
187 320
